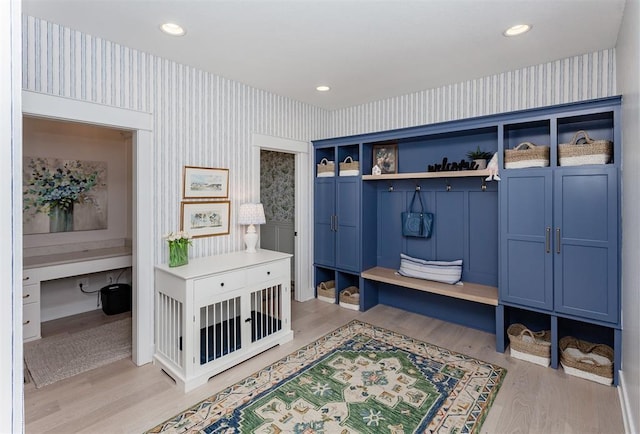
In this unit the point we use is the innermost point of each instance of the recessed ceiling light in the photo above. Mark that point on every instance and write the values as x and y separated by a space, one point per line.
323 88
172 29
516 30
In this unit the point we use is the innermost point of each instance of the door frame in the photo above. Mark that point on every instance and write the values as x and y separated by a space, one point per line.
303 196
141 124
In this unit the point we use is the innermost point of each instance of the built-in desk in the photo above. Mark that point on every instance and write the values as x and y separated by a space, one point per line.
37 269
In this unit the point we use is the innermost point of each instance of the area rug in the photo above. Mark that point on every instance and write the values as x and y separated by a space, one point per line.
58 357
356 379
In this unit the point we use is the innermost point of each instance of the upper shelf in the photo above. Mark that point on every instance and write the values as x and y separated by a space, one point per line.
423 175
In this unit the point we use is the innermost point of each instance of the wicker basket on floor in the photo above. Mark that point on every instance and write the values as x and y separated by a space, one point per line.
534 347
582 149
327 291
350 298
586 360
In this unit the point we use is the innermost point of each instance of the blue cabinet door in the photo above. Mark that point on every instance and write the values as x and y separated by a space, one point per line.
526 275
324 222
348 228
586 242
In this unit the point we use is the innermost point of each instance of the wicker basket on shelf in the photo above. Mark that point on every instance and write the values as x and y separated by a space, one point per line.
327 291
348 167
582 149
534 347
526 154
586 360
350 298
326 168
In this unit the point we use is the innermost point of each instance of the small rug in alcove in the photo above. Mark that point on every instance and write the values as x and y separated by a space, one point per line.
55 358
356 379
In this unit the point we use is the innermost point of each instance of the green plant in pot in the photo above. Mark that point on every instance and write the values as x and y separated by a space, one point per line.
479 157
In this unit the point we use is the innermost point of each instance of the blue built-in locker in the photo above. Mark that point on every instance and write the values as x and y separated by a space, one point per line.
544 242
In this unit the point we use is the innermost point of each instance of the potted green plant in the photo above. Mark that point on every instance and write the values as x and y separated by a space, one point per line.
479 157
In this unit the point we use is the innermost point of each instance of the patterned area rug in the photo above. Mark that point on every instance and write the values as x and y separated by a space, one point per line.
357 379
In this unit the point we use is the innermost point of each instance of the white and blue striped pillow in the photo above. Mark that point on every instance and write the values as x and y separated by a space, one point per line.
439 271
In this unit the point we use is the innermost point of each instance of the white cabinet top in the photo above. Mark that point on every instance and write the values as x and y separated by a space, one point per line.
208 265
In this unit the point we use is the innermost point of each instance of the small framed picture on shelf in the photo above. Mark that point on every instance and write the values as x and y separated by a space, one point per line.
205 219
385 159
205 183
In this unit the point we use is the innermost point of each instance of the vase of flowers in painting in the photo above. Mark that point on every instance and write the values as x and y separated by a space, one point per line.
61 218
179 243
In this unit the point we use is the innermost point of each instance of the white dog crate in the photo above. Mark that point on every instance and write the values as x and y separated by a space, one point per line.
218 311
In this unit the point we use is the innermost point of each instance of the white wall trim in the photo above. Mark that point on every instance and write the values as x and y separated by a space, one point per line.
54 107
11 372
303 196
627 413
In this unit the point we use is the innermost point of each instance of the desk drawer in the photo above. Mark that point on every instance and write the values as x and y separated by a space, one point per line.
30 293
31 321
267 272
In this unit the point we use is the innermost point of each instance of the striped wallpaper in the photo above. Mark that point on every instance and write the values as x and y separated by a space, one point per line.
204 120
200 119
572 79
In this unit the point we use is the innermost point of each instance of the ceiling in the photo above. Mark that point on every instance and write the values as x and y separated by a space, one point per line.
366 50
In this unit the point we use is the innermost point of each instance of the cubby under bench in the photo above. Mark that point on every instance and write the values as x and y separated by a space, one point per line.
469 304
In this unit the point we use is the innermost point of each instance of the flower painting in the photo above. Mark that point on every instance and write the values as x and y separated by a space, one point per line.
64 195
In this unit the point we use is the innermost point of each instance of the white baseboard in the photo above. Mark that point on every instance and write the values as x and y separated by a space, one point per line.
627 414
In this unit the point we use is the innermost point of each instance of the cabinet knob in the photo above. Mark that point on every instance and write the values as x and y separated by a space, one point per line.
221 283
268 273
26 322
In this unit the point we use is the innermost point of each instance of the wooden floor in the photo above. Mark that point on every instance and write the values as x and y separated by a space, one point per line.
123 398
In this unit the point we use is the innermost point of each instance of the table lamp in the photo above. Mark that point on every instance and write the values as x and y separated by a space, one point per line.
251 214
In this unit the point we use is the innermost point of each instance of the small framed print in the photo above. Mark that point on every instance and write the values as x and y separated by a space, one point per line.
385 159
205 183
205 219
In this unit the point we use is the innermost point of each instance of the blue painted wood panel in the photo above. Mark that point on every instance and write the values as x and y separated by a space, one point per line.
586 261
526 223
482 263
324 235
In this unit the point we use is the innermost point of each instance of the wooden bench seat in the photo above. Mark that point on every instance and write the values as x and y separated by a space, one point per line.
467 291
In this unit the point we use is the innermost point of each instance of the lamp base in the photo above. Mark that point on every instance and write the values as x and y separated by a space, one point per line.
250 240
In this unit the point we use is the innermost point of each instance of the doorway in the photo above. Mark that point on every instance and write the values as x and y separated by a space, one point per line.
140 124
302 199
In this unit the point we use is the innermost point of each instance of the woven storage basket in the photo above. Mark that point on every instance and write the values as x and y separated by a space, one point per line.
326 168
584 150
349 167
586 360
327 291
534 347
350 298
526 154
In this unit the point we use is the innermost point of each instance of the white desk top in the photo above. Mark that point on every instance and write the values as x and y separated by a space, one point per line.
73 257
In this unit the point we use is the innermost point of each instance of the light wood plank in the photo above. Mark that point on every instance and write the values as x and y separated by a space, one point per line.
122 397
425 175
467 291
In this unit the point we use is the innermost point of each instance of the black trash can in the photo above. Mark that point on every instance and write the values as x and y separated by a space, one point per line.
116 298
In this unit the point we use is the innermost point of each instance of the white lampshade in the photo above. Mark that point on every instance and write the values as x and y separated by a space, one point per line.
251 214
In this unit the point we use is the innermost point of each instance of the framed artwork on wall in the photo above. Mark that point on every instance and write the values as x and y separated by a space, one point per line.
385 159
205 183
205 219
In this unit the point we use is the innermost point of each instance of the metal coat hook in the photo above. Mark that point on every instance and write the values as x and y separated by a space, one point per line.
448 185
484 185
390 187
417 187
